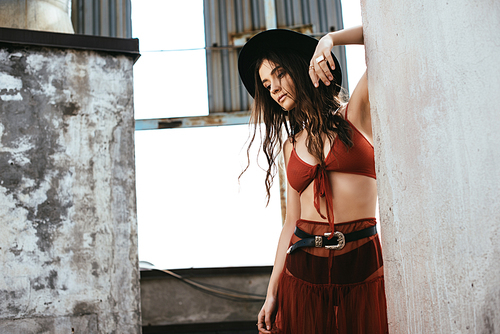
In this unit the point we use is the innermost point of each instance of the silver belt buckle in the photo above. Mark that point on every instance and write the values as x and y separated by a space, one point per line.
318 241
340 240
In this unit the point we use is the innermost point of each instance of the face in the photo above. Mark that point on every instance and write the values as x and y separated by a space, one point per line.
278 83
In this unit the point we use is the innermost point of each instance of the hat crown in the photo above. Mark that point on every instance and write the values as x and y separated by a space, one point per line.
276 40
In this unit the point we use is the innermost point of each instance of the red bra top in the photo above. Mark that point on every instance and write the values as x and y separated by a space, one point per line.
358 159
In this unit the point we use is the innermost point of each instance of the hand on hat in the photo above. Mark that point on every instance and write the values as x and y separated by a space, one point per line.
318 66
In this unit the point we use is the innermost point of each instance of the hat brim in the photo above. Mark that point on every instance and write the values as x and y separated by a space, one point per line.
276 40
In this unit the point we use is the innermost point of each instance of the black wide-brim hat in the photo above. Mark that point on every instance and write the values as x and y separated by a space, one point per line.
277 40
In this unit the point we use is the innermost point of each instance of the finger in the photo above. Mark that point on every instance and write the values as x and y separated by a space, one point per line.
321 74
260 318
330 61
261 326
326 71
262 329
313 76
268 321
321 68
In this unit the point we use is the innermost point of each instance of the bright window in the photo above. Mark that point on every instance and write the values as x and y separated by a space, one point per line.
192 210
170 77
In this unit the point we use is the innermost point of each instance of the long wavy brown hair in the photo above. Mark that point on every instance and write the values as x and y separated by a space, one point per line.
316 111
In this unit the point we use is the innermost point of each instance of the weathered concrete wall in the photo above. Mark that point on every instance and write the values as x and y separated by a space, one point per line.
434 80
67 193
46 15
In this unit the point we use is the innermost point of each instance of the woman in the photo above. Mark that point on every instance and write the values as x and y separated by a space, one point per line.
328 272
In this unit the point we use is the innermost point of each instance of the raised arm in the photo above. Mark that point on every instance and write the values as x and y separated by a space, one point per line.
267 314
318 69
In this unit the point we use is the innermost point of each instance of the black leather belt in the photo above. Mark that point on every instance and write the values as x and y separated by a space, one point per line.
336 242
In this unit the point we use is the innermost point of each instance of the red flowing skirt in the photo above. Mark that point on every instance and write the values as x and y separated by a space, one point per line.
324 291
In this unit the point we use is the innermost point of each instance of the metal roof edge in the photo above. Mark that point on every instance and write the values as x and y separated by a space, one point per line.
127 46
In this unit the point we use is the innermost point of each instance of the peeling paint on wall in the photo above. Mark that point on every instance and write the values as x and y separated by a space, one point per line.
67 191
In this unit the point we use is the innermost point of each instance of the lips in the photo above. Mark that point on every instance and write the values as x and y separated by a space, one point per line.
281 98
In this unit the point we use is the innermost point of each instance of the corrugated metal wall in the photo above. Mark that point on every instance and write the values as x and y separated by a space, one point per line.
110 18
227 22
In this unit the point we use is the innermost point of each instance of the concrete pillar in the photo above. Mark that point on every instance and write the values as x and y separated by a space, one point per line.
434 80
68 241
46 15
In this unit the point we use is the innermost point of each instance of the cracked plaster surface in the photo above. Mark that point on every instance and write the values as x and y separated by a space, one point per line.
67 192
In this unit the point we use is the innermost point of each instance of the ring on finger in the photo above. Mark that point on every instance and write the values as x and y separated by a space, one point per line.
311 67
320 59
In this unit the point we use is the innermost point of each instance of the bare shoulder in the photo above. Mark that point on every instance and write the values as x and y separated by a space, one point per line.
287 146
287 149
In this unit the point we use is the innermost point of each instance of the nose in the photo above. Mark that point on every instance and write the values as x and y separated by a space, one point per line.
275 86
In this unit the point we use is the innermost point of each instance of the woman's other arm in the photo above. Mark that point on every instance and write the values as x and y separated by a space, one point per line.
359 108
320 71
267 314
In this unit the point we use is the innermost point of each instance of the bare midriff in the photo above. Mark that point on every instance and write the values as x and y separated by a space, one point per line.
354 197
